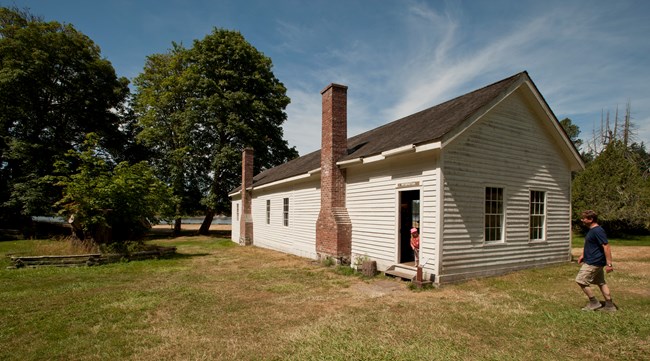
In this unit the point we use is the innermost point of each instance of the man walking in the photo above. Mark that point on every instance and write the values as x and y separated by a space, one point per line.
596 256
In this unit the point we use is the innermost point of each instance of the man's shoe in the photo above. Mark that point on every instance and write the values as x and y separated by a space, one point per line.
609 307
592 306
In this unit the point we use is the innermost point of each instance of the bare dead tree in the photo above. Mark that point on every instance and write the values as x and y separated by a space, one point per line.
612 129
626 129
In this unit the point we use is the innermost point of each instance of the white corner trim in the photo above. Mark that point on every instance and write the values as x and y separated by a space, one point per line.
439 218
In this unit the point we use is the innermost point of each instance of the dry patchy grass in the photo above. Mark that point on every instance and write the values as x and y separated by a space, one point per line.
218 301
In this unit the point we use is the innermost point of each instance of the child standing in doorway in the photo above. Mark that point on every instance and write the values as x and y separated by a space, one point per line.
415 245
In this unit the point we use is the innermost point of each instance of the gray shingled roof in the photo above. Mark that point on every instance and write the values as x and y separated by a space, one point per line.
425 126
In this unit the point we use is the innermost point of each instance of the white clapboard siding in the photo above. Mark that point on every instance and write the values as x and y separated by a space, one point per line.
234 234
372 202
511 147
299 236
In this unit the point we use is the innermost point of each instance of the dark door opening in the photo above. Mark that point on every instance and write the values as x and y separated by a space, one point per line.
409 217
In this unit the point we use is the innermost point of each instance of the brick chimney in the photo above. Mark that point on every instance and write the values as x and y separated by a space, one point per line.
246 218
333 228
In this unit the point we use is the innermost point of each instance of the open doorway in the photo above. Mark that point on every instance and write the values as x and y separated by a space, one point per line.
409 217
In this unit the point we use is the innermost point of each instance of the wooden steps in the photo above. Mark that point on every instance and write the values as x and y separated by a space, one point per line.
402 271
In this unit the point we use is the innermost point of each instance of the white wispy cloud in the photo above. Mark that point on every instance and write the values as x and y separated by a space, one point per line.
398 57
576 56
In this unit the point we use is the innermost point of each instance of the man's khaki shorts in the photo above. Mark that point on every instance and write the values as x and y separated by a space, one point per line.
589 274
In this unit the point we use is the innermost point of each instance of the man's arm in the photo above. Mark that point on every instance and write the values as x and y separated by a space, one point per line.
582 255
608 255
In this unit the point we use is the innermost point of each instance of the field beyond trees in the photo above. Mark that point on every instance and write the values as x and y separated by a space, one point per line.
219 301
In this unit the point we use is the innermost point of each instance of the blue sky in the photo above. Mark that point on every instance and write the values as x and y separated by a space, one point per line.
398 57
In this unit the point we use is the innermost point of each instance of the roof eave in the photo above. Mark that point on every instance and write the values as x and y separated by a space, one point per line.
411 148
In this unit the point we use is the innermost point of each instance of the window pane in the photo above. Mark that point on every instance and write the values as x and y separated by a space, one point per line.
494 214
285 212
537 215
268 211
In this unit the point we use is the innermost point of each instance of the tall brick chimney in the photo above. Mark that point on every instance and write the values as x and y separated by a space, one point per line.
333 228
246 218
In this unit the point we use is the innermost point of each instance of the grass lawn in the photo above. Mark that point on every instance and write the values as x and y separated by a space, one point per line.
641 241
219 301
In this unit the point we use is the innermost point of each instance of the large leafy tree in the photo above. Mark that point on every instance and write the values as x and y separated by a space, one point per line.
167 120
54 89
201 106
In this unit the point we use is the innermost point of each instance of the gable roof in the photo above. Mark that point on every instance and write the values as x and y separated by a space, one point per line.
425 126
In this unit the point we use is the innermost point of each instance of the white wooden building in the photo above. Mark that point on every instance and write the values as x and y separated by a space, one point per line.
485 177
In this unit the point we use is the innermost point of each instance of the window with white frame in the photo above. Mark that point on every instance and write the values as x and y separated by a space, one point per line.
237 211
285 212
268 211
537 215
494 214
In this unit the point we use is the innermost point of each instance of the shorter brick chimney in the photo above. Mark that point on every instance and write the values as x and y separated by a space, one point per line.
246 218
333 228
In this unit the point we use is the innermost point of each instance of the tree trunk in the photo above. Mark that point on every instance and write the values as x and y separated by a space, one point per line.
77 231
207 222
102 234
177 227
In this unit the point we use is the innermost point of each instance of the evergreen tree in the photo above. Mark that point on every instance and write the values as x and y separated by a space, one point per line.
614 186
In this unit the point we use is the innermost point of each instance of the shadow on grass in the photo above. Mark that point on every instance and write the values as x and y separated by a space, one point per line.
168 233
179 256
10 235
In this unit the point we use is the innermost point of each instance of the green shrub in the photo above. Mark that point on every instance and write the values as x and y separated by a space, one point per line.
345 270
110 204
328 261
